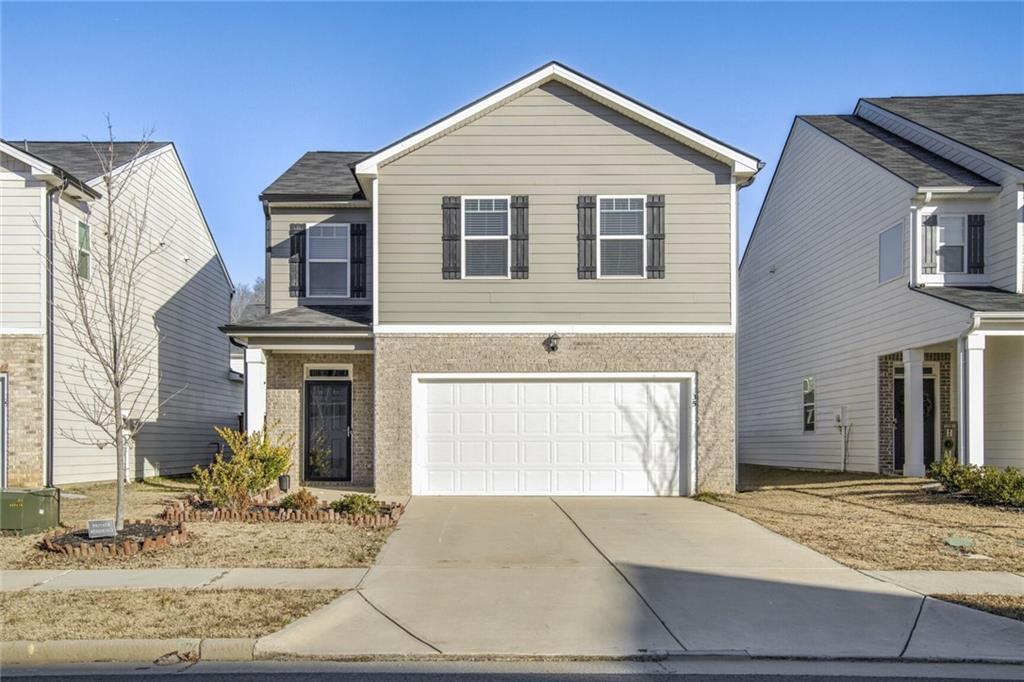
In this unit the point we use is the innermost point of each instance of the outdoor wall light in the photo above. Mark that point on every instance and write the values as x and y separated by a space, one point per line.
551 343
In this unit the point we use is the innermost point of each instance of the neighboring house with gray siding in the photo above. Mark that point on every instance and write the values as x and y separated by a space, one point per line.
52 194
533 295
881 290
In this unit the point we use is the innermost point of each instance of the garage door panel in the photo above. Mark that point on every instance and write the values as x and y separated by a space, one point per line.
548 438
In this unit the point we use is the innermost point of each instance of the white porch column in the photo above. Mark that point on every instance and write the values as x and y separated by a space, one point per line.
913 412
255 389
974 398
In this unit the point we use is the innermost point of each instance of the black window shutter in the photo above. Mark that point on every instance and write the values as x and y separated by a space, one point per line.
975 244
655 236
586 237
520 236
451 236
357 256
297 260
929 244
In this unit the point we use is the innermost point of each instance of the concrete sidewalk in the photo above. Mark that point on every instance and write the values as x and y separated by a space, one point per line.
954 582
182 578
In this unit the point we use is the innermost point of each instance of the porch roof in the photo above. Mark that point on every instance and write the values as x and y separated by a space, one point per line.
981 299
309 319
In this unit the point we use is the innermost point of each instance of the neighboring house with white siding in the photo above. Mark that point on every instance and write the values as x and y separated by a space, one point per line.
881 315
533 295
51 192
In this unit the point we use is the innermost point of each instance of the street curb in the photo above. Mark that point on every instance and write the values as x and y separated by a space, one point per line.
167 651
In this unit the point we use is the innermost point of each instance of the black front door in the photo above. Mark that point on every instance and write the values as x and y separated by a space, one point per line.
929 407
328 431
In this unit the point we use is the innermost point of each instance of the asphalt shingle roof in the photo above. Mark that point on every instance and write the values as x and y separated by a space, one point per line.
903 158
324 175
982 299
82 159
307 318
992 124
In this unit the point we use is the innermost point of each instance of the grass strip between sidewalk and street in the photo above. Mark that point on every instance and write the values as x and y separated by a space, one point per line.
160 613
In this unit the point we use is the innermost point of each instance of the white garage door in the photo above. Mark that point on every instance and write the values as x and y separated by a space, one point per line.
544 437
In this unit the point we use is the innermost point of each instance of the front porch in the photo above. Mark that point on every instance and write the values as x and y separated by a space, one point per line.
961 398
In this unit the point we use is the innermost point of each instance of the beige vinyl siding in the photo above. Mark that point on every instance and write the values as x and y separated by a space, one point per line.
554 144
823 313
280 222
185 297
22 243
1004 221
1004 401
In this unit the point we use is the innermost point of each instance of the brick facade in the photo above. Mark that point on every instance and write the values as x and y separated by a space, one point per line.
21 359
712 357
886 416
285 380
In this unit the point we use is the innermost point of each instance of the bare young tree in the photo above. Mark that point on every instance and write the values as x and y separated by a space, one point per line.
246 295
112 388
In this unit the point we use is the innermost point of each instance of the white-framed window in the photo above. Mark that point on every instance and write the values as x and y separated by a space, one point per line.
84 250
808 405
621 236
327 261
890 253
319 372
951 244
486 247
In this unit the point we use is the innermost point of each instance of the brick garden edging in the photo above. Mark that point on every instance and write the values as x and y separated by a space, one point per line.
182 511
176 537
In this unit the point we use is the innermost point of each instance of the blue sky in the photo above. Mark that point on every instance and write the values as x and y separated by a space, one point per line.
244 89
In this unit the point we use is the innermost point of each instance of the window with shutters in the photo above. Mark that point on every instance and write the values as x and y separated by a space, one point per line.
621 238
327 261
486 247
951 246
890 253
84 250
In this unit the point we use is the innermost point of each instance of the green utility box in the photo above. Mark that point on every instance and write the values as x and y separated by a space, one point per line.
25 511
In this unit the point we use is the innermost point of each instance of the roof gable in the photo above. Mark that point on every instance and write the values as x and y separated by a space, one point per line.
742 163
86 159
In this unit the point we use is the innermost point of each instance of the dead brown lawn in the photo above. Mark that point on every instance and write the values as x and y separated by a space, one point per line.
875 522
999 604
220 545
140 614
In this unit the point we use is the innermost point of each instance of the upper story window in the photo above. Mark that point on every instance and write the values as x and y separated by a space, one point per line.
951 247
620 237
327 258
84 250
890 253
485 237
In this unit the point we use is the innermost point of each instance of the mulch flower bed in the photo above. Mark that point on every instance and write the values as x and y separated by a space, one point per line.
194 509
137 536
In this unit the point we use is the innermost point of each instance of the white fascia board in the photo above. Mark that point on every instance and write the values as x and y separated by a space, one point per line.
499 329
741 163
42 170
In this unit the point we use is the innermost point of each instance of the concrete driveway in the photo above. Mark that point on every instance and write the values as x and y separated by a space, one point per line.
625 577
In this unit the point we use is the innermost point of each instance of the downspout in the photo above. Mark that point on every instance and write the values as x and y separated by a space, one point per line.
49 333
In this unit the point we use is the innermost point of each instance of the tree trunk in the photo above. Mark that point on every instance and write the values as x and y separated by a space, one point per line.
120 448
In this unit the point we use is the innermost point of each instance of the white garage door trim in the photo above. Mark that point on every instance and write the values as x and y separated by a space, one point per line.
420 381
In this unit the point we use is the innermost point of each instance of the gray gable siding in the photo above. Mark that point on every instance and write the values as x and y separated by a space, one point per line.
554 144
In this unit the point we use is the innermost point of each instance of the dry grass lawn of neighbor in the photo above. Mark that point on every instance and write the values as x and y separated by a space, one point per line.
142 614
215 545
875 522
999 604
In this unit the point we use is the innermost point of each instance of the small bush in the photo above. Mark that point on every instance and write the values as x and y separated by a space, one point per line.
985 483
357 504
301 499
256 461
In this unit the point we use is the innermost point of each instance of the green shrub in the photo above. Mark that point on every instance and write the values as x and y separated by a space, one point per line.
985 483
357 504
256 461
301 499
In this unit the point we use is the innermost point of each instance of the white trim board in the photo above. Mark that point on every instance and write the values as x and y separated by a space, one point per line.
552 328
740 163
418 417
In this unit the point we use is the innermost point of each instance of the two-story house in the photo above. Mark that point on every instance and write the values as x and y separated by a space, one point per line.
51 201
532 295
881 309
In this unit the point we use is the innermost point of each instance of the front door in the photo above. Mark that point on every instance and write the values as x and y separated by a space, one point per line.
929 406
328 431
